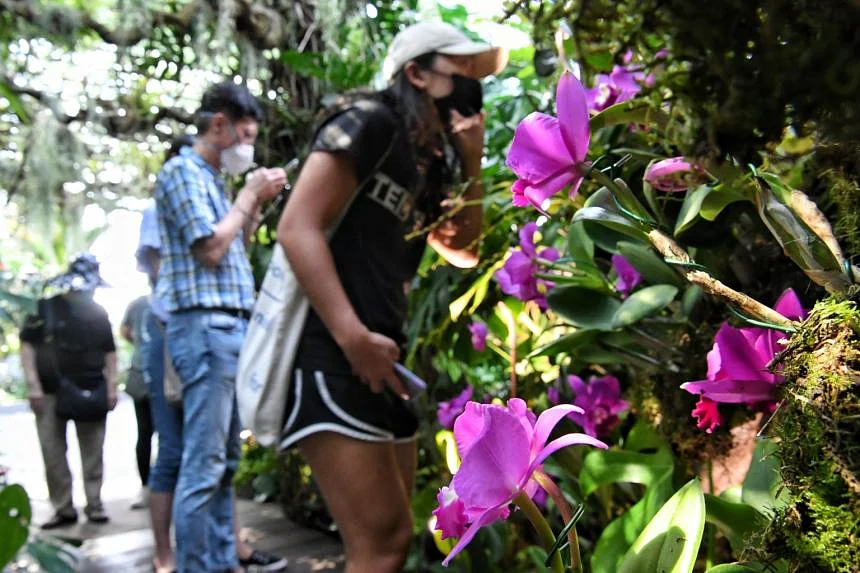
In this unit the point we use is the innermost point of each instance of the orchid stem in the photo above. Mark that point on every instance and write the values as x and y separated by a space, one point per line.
511 323
528 507
667 247
566 514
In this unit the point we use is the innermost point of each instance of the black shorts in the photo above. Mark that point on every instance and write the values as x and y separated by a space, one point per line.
320 402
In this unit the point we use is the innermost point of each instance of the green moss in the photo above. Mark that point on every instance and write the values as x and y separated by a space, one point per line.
820 442
845 197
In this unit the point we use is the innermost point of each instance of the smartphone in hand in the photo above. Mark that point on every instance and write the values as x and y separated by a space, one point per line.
415 386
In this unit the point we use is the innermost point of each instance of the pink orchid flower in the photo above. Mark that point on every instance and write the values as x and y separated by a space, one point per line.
737 364
620 85
674 175
479 332
501 449
707 415
600 401
546 152
517 277
628 276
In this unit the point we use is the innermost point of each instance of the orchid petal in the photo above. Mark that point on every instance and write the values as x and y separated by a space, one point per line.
494 467
548 420
789 306
538 151
527 243
573 116
468 426
732 391
482 520
563 442
735 355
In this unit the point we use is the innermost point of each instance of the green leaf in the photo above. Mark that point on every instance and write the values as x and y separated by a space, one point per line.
476 293
717 200
690 209
633 111
643 303
762 487
735 520
613 221
693 295
602 467
670 541
15 103
800 243
55 555
15 515
620 534
582 307
648 264
579 244
567 343
735 568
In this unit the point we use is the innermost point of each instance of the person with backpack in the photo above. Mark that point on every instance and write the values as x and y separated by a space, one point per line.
68 356
404 165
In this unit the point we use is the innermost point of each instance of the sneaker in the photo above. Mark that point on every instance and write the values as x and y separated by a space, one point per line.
96 515
259 562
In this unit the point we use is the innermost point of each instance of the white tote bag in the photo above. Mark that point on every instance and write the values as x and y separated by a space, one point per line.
274 331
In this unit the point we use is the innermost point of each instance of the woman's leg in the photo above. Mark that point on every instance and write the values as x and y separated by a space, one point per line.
362 486
144 438
167 422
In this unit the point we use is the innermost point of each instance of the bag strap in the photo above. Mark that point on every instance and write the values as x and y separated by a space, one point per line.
49 337
342 215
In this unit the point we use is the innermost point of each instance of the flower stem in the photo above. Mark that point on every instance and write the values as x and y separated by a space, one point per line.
525 503
566 514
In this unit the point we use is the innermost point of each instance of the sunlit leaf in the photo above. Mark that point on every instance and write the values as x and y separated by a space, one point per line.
642 303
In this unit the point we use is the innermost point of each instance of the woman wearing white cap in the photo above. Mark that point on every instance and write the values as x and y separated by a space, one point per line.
391 162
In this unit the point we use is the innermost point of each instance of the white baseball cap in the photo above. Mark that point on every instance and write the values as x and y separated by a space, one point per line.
441 38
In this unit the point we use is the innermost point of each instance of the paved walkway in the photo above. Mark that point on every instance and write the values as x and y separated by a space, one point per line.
125 544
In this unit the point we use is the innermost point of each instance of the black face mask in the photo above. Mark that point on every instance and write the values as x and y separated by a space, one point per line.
467 98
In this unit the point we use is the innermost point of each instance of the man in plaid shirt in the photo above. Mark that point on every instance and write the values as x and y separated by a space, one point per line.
206 285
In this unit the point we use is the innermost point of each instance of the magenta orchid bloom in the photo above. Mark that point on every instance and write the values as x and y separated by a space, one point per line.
707 415
448 412
620 85
479 333
628 276
517 276
600 402
737 364
546 152
674 175
501 448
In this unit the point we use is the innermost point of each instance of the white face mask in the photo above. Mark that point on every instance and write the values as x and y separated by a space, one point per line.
238 158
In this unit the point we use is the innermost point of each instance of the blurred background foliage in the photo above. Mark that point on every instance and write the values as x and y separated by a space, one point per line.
92 91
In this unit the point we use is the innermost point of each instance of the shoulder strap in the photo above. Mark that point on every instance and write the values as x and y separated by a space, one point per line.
336 223
49 339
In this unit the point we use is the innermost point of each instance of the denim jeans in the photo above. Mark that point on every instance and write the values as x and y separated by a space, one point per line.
166 418
204 347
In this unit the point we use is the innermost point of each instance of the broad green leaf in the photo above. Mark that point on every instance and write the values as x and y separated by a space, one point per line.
690 208
620 534
633 111
629 201
670 541
567 343
579 244
693 295
476 293
762 487
642 303
735 568
646 262
800 243
55 555
717 200
15 517
602 467
735 520
583 307
612 220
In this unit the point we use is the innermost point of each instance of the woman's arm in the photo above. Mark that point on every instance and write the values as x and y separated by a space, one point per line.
34 386
325 186
457 237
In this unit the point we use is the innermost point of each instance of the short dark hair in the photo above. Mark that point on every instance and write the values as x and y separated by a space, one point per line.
184 140
230 98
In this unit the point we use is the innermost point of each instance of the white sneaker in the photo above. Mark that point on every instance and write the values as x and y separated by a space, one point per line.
142 501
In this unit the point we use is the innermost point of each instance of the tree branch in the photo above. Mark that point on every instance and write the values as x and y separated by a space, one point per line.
114 117
30 11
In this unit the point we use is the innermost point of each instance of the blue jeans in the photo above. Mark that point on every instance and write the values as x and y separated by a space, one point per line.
166 419
204 347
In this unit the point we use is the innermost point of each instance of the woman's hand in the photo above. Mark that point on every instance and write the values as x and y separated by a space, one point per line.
372 356
468 137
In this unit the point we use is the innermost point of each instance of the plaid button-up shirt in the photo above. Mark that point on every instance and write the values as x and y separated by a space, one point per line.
191 200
